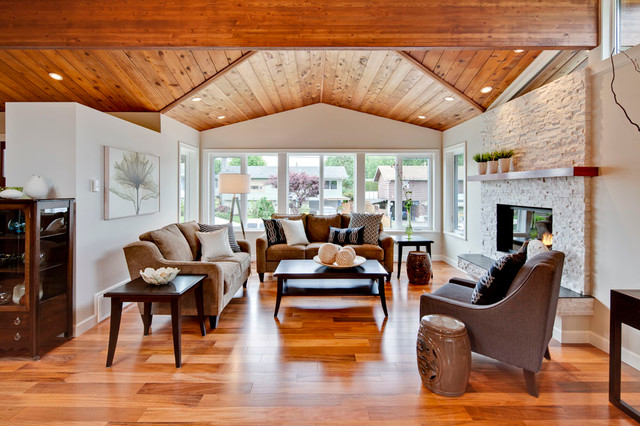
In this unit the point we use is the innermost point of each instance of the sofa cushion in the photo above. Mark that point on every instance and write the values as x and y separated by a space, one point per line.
318 226
369 251
189 230
232 273
312 250
274 231
242 258
280 252
455 292
344 236
371 223
493 286
232 234
171 243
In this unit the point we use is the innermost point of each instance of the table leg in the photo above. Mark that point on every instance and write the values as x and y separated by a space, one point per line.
615 355
399 259
116 315
429 248
383 300
176 323
279 295
147 318
200 308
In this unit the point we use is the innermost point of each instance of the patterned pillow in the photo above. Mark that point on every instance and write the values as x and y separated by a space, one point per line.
344 236
371 223
232 235
494 285
275 233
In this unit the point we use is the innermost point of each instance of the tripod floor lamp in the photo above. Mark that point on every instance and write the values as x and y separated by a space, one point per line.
234 183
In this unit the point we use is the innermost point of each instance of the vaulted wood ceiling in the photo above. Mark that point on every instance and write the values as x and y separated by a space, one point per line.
242 85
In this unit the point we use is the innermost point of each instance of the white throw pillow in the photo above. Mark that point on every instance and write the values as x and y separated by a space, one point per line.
294 231
536 247
215 245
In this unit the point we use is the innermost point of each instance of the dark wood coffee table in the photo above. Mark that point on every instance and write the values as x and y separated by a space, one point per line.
139 291
308 269
416 241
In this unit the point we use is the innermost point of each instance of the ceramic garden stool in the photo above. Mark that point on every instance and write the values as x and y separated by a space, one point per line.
444 355
419 267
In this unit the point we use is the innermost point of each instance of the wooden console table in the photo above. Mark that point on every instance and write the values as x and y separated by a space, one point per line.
625 308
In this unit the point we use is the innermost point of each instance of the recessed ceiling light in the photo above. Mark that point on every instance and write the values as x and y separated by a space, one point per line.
519 50
486 89
196 99
421 117
55 76
222 117
449 98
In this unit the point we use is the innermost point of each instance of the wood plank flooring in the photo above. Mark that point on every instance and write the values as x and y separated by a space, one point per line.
326 359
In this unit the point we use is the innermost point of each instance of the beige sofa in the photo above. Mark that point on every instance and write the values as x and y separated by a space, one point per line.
177 246
317 230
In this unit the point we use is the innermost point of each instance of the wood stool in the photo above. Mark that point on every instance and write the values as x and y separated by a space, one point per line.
444 355
419 268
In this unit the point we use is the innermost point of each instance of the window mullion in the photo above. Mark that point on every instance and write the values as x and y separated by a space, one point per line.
398 204
321 185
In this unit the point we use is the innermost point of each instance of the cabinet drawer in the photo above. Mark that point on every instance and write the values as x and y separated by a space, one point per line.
14 339
14 320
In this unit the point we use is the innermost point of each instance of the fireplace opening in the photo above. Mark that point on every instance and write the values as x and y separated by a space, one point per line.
517 224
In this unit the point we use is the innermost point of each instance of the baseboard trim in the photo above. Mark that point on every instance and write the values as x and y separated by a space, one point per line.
576 336
628 357
84 326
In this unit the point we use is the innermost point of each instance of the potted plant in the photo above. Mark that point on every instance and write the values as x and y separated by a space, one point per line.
482 163
504 159
493 162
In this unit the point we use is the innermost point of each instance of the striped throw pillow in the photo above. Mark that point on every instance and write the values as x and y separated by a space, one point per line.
344 236
232 235
274 231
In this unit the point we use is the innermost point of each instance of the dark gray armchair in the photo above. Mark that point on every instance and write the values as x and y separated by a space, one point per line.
515 330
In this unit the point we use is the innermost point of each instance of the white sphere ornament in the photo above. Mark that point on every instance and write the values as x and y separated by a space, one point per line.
327 253
36 187
351 249
345 257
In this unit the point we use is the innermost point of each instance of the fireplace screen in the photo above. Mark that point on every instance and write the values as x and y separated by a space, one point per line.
517 224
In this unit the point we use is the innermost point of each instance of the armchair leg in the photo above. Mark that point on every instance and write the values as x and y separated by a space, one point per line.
261 276
547 355
213 321
530 381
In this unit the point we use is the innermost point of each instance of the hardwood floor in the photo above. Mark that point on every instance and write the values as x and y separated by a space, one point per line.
325 360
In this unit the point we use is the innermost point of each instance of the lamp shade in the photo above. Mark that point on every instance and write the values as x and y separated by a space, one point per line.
234 183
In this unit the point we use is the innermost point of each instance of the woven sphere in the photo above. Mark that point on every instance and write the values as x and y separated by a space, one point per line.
327 253
351 249
345 257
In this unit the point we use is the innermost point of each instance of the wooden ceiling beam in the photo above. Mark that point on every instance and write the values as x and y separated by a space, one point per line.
207 82
440 81
312 24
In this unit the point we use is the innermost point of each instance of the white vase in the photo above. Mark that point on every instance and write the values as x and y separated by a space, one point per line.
36 187
482 168
493 167
504 164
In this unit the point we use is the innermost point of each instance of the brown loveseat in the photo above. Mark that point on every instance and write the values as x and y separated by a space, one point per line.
317 230
177 246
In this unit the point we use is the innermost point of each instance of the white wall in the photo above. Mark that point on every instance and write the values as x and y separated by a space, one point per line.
67 147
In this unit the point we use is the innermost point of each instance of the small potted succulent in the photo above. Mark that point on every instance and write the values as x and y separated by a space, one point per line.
493 162
482 163
504 159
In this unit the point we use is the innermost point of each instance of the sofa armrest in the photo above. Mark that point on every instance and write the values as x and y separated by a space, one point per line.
386 242
245 247
261 253
463 281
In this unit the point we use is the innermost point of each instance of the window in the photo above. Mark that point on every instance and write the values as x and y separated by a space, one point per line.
416 184
304 184
339 190
455 189
330 184
188 188
380 186
221 203
627 24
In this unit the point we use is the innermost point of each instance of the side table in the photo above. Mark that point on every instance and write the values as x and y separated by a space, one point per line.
416 241
625 308
139 291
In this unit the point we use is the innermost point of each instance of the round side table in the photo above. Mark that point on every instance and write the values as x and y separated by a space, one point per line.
419 268
444 355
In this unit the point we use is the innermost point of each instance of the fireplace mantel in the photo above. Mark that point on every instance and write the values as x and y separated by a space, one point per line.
542 173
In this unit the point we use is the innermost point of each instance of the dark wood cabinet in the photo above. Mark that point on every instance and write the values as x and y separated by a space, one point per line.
36 273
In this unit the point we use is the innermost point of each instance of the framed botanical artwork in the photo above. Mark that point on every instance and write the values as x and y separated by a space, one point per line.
132 183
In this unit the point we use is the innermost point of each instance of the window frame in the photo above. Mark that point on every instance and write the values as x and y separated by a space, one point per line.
192 181
449 204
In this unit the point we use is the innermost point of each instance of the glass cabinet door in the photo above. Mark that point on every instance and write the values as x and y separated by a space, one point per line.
14 255
54 250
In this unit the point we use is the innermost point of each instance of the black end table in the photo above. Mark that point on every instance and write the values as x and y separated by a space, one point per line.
416 241
625 308
139 291
308 269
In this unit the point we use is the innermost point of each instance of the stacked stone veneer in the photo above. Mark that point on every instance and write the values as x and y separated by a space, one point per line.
548 128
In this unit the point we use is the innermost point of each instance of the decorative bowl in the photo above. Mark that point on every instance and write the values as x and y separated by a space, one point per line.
159 276
359 260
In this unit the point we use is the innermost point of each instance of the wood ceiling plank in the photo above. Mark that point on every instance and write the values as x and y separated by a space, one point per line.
291 73
139 60
219 59
253 83
452 89
524 60
238 83
395 79
358 66
303 64
155 58
345 57
232 55
329 74
574 61
445 114
431 58
480 57
445 62
391 62
217 93
402 24
392 99
246 105
174 66
375 61
191 66
317 74
276 71
411 96
495 60
11 83
206 65
458 66
496 78
418 55
261 71
422 103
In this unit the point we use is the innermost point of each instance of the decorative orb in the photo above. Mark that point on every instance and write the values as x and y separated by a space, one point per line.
351 249
327 253
345 257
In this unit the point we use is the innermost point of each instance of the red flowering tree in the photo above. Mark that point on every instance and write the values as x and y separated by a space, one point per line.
301 187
